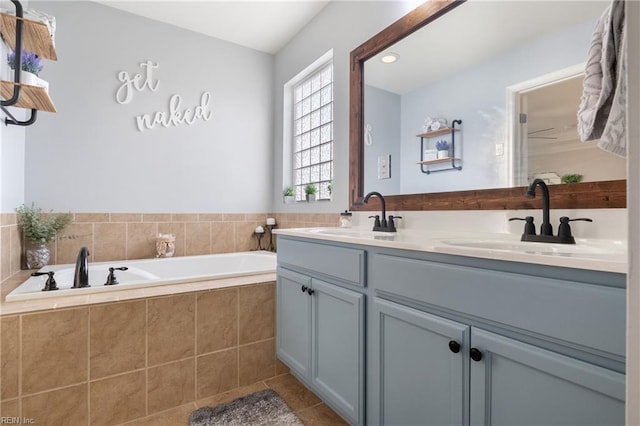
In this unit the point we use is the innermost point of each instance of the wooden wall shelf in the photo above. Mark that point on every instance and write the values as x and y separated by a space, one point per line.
31 97
439 132
36 36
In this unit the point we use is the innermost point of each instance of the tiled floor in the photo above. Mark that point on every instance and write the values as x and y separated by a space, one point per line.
303 402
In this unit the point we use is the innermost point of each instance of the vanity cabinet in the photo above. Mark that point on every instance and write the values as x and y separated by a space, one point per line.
320 327
482 346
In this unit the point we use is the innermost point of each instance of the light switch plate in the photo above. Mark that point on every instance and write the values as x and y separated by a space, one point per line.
384 166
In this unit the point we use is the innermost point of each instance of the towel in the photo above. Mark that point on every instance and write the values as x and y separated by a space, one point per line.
601 114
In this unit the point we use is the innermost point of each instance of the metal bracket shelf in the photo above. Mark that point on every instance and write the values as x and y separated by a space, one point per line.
453 160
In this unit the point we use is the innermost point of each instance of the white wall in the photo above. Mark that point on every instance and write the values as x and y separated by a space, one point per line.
90 157
341 26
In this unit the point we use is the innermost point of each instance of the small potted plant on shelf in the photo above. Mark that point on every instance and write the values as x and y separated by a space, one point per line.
40 228
30 67
442 146
310 191
571 178
289 195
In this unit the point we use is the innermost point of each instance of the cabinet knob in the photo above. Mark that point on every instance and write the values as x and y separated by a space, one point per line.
454 346
476 355
310 291
304 288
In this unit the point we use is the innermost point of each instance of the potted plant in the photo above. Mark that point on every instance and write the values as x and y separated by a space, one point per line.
310 191
571 178
40 228
330 189
442 146
289 195
30 66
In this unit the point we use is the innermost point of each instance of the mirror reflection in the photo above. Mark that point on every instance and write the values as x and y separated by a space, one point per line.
513 78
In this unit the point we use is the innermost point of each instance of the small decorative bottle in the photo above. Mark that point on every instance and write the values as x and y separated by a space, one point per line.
345 219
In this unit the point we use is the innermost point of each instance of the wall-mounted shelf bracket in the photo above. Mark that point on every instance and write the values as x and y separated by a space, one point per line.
10 119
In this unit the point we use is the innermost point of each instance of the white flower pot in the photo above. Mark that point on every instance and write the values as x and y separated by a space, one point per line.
443 154
289 199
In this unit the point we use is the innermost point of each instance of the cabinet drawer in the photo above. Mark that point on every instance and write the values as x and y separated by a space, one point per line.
343 264
585 314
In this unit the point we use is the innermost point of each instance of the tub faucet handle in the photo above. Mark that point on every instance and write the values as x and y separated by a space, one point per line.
51 282
111 278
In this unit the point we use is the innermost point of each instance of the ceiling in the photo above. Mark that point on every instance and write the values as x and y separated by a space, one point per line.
263 25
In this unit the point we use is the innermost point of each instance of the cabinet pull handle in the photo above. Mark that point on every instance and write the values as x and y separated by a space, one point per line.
454 346
310 291
304 288
476 355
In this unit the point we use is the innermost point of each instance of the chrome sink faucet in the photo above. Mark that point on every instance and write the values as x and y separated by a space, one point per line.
381 224
81 274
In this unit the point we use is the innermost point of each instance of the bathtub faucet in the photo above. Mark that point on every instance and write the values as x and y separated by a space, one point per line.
81 275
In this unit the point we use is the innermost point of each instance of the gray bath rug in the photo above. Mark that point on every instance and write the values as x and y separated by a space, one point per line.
260 408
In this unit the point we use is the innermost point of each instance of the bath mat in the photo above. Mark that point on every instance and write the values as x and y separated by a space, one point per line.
260 408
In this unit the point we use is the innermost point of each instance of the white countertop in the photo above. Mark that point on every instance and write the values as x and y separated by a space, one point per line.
592 254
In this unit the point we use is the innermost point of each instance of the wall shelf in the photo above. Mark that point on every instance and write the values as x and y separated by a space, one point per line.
31 97
36 37
455 163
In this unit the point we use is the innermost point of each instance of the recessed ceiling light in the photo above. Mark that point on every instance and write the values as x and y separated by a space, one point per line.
389 58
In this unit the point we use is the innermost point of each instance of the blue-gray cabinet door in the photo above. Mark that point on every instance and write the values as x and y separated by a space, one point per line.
517 383
294 321
338 348
421 367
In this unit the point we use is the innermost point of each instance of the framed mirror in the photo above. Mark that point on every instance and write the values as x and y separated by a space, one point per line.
506 169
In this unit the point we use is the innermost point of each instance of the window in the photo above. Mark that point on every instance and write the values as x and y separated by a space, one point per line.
312 128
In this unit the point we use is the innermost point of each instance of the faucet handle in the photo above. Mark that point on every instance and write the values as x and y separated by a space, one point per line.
564 230
392 224
376 222
111 278
529 227
51 282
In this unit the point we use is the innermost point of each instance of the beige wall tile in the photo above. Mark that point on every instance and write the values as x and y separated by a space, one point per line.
245 239
54 349
126 217
156 217
256 217
91 217
217 320
210 217
216 372
68 406
281 367
184 217
171 325
16 249
8 219
67 249
198 238
257 312
223 236
233 217
257 361
10 408
117 338
177 229
5 244
141 240
171 385
118 399
110 242
9 365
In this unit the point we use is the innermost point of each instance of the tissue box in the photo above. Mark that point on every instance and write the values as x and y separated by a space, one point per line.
430 155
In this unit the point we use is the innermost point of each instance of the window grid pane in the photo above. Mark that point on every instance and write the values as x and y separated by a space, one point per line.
313 133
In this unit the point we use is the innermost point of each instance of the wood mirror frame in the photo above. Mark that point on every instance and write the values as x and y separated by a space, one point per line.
605 194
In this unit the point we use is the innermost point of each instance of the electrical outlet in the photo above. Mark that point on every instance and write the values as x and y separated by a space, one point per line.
499 149
384 166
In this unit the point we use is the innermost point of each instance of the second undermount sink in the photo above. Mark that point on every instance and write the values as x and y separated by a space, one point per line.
353 232
580 247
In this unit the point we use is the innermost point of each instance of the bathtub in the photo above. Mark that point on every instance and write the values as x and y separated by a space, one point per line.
147 273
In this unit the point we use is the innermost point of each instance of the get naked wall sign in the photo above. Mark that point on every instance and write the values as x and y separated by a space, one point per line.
175 116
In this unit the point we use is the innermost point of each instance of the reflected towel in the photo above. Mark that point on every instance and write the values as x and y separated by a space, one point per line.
602 114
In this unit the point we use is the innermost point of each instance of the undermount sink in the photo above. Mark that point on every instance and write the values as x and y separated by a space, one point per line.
533 247
353 232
